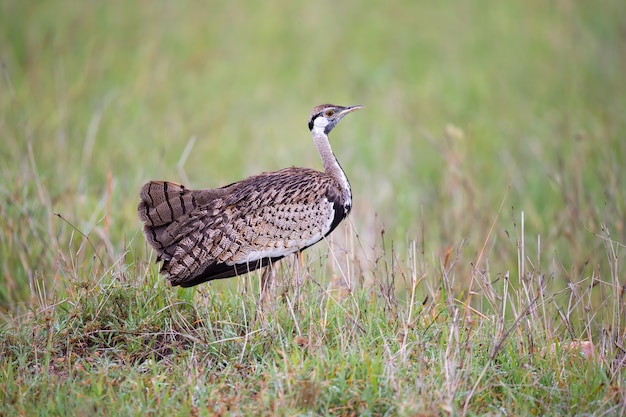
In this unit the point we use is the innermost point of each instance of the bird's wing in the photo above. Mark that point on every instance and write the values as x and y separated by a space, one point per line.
254 222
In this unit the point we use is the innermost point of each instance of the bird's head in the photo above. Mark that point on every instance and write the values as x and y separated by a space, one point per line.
326 116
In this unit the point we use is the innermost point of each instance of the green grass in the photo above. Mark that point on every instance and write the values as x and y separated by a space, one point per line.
487 231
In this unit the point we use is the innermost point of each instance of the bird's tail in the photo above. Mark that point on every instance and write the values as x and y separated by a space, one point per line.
161 204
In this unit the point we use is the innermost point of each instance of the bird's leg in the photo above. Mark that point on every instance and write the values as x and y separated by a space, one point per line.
263 305
265 289
298 277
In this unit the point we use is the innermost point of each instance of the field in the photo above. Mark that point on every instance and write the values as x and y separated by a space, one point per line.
481 271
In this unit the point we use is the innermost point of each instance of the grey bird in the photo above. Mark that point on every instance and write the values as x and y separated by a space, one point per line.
206 234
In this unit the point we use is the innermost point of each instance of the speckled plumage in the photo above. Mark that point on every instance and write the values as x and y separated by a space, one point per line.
207 234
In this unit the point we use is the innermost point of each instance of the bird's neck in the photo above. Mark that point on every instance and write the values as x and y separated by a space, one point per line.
331 165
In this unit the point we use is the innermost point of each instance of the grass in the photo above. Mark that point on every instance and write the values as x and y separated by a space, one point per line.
485 245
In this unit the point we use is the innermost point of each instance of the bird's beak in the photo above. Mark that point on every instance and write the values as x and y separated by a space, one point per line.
350 109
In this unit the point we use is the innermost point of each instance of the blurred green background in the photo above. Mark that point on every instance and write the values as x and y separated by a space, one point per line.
469 106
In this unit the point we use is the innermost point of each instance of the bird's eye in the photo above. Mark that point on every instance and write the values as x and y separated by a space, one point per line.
329 113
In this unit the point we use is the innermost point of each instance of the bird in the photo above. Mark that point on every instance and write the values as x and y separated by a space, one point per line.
213 233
